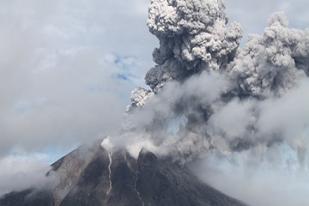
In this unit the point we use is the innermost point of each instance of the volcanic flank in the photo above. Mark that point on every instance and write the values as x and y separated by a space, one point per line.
206 94
117 179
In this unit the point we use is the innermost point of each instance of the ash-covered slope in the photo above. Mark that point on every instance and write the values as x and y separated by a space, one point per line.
99 178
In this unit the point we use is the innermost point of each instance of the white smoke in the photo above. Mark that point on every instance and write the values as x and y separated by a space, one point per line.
272 179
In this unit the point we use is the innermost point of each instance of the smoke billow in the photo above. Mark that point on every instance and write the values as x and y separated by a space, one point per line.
194 36
272 63
207 93
229 109
210 96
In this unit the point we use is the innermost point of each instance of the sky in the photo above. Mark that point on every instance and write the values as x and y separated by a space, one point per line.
67 68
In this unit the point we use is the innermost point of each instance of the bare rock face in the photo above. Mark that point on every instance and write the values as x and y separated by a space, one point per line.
101 178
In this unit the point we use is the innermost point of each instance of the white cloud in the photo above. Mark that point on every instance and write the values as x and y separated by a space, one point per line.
64 66
19 171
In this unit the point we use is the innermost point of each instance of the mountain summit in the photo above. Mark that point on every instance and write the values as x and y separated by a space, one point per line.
92 176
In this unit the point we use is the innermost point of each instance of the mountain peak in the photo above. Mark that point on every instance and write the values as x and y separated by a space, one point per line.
94 176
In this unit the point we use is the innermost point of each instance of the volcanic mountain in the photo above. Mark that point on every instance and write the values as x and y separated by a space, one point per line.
92 176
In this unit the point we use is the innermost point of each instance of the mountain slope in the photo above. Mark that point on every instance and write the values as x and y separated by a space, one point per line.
91 176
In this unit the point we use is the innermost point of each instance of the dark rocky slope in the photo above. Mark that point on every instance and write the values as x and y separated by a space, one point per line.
90 176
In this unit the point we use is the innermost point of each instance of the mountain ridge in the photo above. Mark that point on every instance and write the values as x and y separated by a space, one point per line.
91 175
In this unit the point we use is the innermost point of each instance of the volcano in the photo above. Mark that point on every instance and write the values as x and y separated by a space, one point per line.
92 176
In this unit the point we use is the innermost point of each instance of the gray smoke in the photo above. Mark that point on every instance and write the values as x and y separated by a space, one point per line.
207 93
238 114
194 36
273 62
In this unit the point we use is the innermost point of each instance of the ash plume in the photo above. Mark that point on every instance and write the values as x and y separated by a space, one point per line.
273 62
208 93
194 36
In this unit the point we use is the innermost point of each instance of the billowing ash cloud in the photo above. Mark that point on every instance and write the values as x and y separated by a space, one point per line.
194 36
273 62
209 94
